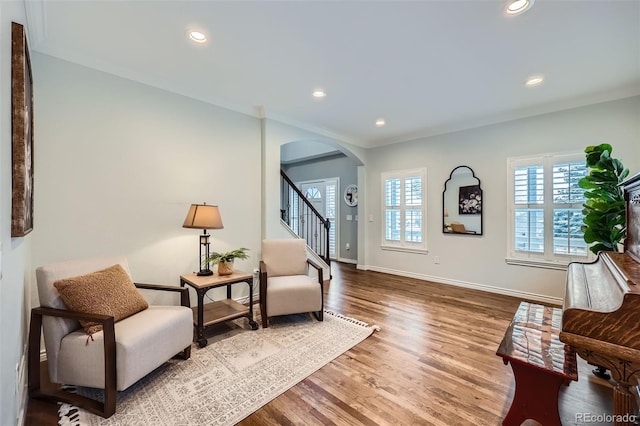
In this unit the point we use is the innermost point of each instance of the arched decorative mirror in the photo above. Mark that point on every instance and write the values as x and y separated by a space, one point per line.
462 203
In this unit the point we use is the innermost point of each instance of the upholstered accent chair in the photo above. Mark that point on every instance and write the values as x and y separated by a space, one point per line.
115 357
285 285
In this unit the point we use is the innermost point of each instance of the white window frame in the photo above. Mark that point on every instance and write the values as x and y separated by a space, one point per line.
547 259
402 245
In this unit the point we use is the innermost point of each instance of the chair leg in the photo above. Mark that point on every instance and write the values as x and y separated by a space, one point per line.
110 372
110 393
33 353
183 354
43 389
263 312
40 386
263 295
319 315
55 394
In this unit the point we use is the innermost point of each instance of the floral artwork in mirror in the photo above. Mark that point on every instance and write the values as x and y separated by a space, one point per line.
462 203
470 200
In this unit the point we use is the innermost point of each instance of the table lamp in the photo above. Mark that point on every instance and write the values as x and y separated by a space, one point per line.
203 216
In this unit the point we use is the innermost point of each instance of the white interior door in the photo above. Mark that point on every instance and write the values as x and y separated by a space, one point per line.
322 196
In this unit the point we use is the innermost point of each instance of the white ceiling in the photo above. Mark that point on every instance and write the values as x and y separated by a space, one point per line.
427 67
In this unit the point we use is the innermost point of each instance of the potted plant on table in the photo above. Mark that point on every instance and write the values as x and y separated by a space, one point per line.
225 260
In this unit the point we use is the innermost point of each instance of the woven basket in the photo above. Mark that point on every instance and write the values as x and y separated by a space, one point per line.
225 268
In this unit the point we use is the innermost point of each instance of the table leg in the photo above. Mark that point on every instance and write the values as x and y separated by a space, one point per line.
535 398
202 342
252 322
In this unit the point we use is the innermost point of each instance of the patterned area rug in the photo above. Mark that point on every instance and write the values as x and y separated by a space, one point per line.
237 373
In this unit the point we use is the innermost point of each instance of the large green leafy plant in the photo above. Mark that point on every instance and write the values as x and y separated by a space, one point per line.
604 210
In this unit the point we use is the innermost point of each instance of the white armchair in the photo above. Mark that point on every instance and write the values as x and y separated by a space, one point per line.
285 284
111 359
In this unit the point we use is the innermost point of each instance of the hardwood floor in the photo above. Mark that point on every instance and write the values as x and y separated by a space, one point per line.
432 363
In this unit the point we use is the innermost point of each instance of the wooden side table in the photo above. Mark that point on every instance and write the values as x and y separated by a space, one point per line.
218 311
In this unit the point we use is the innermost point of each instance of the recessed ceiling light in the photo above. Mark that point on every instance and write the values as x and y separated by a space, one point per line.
516 7
197 36
319 93
534 80
380 122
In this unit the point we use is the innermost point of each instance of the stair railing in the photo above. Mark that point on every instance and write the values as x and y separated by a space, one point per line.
300 215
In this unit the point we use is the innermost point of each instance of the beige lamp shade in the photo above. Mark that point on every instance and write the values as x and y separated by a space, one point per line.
203 216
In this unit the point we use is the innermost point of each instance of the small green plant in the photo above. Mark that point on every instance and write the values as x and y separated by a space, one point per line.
604 210
215 258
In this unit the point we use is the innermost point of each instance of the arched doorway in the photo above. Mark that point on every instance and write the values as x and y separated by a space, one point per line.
322 171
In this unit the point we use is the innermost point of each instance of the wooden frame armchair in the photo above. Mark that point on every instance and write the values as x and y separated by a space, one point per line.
119 355
285 285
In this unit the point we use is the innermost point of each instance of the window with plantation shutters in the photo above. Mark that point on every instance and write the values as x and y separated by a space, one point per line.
404 210
546 210
528 191
568 198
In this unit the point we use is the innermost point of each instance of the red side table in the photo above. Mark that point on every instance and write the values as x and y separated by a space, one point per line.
540 364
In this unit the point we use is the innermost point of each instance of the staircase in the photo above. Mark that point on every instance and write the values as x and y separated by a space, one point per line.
303 219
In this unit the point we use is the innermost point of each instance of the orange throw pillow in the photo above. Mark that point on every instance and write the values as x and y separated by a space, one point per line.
107 292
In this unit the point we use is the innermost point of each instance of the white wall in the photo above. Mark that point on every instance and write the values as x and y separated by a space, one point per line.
15 264
118 163
480 261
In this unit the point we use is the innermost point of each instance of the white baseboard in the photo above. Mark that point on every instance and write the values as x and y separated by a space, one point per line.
346 260
466 284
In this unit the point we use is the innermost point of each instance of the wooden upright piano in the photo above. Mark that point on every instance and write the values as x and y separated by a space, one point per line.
601 311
